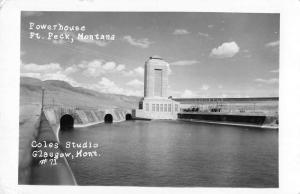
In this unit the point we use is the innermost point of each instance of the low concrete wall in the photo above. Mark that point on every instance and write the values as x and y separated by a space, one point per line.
47 174
29 123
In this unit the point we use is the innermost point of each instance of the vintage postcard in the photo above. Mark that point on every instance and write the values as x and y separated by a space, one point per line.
150 99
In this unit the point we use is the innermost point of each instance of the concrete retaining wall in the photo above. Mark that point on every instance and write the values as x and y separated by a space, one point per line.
83 117
45 127
29 123
47 174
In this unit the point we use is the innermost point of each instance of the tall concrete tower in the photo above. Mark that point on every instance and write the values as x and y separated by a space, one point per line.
156 104
156 78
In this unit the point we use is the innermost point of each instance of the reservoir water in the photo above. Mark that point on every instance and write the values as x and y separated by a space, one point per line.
176 153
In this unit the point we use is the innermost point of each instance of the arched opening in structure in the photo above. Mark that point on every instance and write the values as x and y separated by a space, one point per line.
108 118
128 117
66 122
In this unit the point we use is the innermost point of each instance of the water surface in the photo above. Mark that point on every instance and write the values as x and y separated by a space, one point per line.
177 153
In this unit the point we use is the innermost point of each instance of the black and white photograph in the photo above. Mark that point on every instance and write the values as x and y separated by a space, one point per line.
176 99
149 97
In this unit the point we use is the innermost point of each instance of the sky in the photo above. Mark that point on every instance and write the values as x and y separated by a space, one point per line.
209 54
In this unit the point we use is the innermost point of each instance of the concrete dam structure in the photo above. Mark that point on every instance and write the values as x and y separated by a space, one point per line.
53 119
255 112
68 117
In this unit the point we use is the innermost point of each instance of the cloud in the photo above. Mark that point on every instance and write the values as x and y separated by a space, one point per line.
51 71
135 83
188 94
210 26
139 71
267 81
109 66
105 85
272 44
93 68
180 32
34 75
120 67
184 62
142 43
71 69
99 67
193 94
109 86
226 50
31 67
203 34
205 87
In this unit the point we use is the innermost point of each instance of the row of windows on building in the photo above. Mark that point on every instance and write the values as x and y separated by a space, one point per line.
161 107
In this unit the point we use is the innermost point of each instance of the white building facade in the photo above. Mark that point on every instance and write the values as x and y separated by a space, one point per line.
156 104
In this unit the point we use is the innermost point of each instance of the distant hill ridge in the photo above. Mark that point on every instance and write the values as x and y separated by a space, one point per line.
61 92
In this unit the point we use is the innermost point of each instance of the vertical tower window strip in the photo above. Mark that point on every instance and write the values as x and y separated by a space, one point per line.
158 82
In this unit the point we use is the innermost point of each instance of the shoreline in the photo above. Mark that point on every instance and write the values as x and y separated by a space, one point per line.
231 124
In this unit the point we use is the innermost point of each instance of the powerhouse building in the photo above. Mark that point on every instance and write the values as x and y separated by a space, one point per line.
156 104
